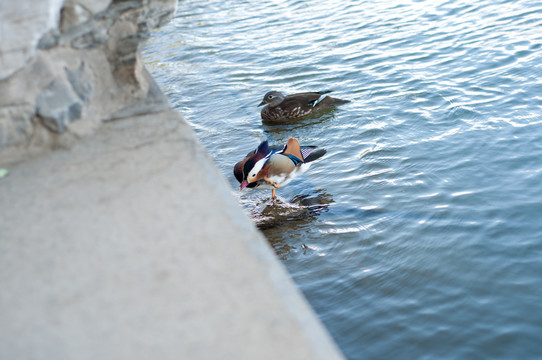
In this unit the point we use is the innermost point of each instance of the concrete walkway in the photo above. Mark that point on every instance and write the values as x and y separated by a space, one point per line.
130 246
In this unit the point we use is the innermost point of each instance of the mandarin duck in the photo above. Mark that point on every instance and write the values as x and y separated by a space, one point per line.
272 167
280 107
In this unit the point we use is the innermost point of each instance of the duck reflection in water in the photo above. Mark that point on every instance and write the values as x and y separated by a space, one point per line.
294 217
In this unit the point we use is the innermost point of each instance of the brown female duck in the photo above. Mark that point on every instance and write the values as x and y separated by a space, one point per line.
281 108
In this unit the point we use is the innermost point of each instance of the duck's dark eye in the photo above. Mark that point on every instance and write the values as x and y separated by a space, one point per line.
270 97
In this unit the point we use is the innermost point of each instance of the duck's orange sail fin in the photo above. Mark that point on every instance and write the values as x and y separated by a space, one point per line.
293 148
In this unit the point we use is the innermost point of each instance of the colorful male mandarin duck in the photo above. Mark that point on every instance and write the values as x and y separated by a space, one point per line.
280 107
272 167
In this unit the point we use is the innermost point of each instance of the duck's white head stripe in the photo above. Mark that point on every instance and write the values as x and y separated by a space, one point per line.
258 166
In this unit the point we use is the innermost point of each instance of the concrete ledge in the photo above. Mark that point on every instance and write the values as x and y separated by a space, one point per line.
130 246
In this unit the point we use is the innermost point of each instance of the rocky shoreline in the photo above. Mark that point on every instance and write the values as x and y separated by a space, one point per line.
66 68
119 237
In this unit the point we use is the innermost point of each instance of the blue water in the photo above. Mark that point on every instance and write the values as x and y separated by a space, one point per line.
428 244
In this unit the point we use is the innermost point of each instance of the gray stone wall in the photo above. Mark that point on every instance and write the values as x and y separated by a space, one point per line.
66 66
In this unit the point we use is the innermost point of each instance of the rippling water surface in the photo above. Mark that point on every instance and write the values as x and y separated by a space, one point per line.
419 234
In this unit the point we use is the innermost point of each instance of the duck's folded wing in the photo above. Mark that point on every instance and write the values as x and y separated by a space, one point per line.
307 98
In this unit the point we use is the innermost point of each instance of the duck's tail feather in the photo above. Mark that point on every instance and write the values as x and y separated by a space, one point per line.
313 154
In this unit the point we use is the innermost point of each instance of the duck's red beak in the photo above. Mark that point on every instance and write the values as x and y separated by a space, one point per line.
243 185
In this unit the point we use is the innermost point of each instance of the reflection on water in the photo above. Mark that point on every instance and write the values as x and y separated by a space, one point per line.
301 207
418 234
296 214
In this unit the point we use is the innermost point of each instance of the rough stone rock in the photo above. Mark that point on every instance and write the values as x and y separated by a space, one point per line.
22 24
155 101
93 6
57 107
79 82
74 60
73 14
